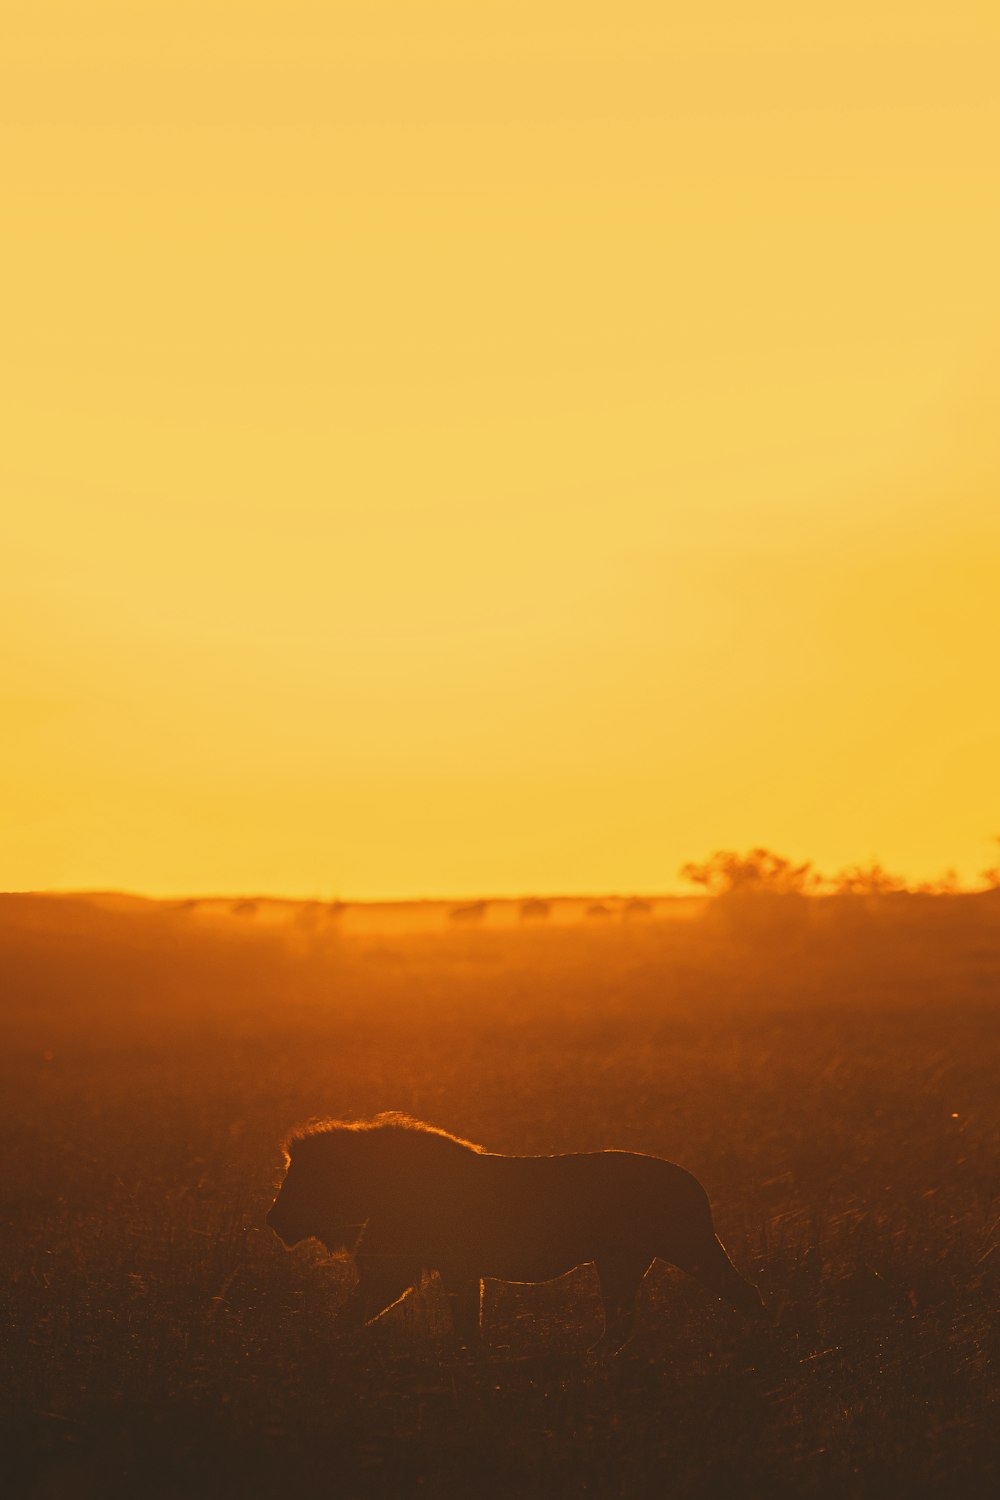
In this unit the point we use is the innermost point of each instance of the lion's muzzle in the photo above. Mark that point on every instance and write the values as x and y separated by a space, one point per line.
287 1233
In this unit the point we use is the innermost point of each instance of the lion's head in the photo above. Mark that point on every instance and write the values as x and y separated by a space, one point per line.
339 1173
321 1196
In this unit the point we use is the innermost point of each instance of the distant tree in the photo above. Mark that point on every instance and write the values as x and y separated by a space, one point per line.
599 909
534 909
761 872
947 884
867 880
991 874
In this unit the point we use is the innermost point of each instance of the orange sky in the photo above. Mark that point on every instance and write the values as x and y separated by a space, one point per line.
493 447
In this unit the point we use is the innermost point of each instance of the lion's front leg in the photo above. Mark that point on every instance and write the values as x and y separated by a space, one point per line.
620 1273
382 1282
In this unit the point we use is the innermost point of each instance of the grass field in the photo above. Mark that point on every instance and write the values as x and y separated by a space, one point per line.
828 1068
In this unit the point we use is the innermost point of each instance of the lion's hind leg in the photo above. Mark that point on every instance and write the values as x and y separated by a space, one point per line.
465 1299
620 1273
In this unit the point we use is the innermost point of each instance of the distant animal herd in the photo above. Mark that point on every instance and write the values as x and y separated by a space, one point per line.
535 909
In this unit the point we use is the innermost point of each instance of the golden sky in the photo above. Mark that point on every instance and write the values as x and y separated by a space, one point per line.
484 447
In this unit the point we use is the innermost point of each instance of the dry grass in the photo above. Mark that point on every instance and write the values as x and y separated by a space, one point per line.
829 1072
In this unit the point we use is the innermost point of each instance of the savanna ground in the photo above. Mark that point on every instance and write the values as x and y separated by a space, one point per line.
828 1068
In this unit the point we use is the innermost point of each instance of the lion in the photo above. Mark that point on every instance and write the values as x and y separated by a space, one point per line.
405 1199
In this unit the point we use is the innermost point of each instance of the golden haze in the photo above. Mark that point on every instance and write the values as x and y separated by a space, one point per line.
474 448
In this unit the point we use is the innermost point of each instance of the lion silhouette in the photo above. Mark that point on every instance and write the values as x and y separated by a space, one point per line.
405 1199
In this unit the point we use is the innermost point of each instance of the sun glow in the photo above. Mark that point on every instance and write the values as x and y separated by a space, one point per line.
477 449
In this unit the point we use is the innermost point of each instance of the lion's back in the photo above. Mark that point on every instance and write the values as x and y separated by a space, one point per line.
442 1201
587 1191
531 1217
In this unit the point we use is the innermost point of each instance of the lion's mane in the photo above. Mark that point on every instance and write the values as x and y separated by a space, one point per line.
395 1132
